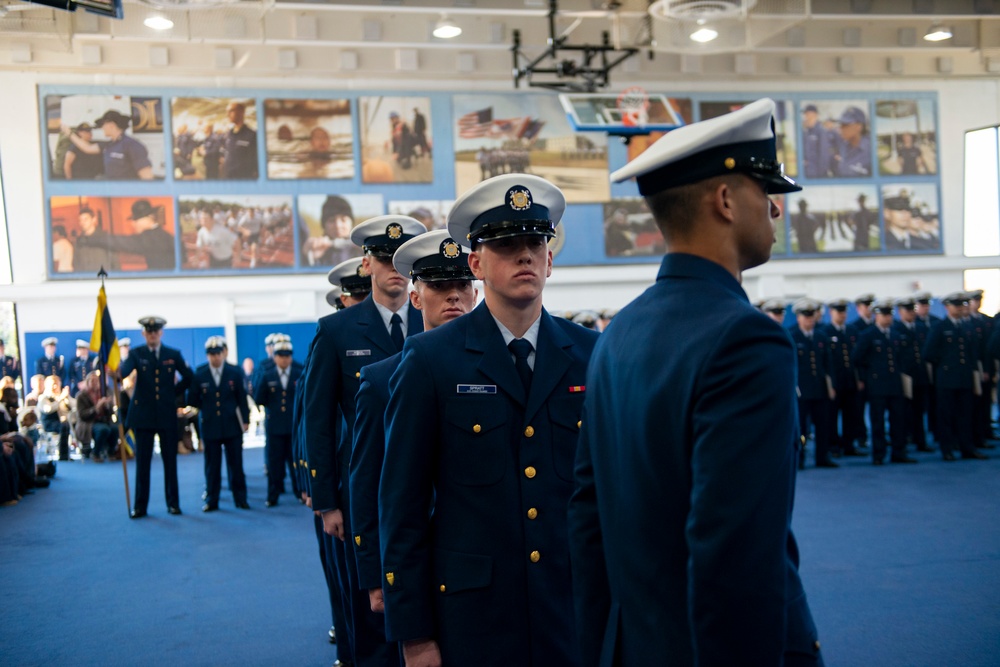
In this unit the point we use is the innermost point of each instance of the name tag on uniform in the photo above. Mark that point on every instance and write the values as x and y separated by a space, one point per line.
477 389
359 353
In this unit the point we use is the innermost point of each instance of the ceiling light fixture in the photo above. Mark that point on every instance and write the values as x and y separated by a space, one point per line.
938 33
446 29
704 33
158 22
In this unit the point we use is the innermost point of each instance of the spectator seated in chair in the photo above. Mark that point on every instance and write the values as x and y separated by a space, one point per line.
54 406
94 430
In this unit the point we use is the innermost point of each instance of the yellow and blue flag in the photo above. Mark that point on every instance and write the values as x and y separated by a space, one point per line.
103 339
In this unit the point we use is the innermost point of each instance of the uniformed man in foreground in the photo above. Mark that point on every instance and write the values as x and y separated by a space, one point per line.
219 394
680 522
951 351
275 393
481 429
345 342
442 291
153 410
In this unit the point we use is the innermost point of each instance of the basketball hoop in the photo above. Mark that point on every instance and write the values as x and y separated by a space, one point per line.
633 103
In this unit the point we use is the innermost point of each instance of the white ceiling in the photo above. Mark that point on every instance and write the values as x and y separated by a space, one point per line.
368 41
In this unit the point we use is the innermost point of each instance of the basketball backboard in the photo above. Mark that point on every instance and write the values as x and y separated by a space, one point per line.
630 113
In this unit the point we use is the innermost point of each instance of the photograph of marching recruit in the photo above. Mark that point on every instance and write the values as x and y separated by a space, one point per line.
214 138
134 234
397 143
434 214
325 224
104 137
834 218
500 134
907 137
784 127
309 139
836 139
912 218
236 232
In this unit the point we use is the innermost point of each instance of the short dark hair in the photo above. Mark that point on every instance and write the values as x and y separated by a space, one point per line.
59 229
86 210
676 210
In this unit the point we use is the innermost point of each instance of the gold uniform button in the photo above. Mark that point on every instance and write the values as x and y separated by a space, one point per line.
441 588
357 540
529 472
579 424
535 556
530 431
477 428
816 644
282 408
532 513
358 374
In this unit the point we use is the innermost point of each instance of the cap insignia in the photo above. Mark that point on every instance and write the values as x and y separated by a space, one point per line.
361 271
450 249
519 198
394 231
730 163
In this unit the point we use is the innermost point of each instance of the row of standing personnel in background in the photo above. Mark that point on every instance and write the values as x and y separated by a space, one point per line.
920 371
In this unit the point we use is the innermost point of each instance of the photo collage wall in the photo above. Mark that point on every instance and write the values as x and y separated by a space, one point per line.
189 182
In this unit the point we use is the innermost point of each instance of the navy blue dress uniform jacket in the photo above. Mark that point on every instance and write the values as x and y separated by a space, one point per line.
911 349
680 523
55 366
223 409
879 360
842 369
814 363
951 348
10 367
154 402
278 401
486 574
367 456
345 342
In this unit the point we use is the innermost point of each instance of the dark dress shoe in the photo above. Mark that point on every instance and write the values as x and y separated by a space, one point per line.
243 505
333 635
174 510
902 459
271 503
924 448
877 462
207 507
826 463
947 456
137 514
975 455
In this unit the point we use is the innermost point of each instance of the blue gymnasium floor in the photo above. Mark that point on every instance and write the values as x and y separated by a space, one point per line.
901 563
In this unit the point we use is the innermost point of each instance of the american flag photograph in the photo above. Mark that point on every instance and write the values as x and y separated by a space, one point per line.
502 134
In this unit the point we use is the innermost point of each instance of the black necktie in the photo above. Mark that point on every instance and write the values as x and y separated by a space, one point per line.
396 330
521 348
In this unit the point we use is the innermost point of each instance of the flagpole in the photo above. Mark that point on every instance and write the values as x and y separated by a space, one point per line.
122 443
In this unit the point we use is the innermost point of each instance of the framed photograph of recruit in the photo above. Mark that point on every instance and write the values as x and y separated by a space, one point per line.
912 217
835 139
629 230
326 222
784 127
247 232
134 234
309 139
433 213
397 141
834 219
500 134
104 137
215 138
906 133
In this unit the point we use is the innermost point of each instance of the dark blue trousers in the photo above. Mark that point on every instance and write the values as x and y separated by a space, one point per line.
234 467
895 407
278 450
144 460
